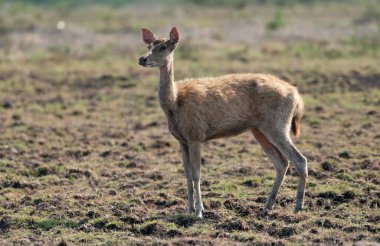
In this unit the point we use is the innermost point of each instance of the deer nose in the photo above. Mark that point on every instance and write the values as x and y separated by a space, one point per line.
142 61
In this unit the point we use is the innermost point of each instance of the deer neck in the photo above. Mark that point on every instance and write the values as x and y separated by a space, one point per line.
167 91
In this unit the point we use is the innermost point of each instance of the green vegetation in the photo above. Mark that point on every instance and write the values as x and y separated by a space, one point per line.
277 21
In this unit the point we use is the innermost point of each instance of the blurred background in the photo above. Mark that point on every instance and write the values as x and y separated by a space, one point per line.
238 31
85 153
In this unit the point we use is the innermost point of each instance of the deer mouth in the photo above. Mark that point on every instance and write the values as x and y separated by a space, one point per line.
143 61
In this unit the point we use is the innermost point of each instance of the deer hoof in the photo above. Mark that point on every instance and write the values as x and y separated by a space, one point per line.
198 211
199 214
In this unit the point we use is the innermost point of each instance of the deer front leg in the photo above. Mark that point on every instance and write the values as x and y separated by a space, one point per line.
189 179
195 161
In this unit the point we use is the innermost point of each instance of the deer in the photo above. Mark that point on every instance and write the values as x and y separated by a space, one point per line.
201 109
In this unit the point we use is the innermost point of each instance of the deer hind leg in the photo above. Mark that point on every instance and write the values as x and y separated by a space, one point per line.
280 163
189 179
195 161
281 139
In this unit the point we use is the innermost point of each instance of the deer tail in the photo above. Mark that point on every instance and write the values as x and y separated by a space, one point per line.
297 116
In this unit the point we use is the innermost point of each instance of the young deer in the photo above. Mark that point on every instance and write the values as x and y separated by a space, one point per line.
201 109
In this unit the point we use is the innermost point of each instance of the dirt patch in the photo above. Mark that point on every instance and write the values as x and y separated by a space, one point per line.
213 204
328 166
240 171
193 242
18 185
250 183
153 229
132 219
184 220
237 206
213 216
233 225
335 198
326 223
62 243
284 232
174 233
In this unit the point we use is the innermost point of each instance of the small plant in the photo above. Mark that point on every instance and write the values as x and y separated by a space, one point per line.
277 21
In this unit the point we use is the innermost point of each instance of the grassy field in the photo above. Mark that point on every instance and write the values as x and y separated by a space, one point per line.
86 156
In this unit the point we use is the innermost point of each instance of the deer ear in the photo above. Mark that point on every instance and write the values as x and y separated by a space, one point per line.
147 36
174 36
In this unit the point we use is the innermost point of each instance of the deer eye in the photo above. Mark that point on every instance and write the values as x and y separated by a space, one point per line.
163 48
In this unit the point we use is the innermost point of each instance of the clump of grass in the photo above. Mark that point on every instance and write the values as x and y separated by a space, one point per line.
277 21
50 223
6 163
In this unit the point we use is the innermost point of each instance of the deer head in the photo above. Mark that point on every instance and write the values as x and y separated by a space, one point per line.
160 50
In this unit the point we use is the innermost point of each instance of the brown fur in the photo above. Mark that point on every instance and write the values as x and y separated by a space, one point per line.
201 109
209 108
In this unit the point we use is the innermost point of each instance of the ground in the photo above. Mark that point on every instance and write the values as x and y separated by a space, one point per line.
86 156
